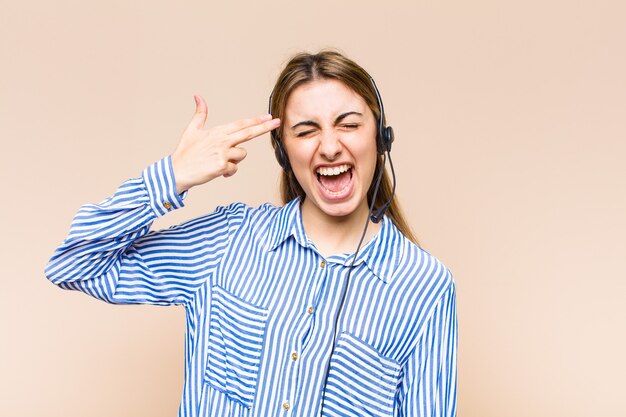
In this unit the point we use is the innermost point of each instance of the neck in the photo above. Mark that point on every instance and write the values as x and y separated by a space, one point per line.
335 235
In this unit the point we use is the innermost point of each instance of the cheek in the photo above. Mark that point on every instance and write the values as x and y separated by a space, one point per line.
299 152
370 156
365 150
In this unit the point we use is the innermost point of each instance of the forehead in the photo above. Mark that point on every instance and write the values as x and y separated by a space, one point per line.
322 99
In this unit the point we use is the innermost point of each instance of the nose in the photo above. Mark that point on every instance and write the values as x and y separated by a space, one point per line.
330 145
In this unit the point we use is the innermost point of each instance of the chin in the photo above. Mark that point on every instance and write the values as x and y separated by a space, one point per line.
336 209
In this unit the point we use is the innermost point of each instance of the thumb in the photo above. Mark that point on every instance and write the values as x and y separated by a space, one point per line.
199 117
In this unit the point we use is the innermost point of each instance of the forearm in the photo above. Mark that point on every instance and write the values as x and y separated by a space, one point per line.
101 233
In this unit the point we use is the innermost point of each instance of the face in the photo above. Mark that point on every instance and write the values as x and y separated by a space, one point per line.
329 134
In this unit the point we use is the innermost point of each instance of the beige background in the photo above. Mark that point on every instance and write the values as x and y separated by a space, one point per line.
511 136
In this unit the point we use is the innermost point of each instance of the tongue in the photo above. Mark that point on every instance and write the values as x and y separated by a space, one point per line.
335 183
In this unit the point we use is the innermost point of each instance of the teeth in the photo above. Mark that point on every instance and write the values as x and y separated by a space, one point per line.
333 171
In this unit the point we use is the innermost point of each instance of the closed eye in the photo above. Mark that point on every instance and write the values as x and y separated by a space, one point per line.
305 133
350 125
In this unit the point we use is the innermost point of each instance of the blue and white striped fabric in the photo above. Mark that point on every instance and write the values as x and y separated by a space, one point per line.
260 303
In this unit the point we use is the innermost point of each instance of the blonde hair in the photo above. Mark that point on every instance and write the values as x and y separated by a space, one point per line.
328 64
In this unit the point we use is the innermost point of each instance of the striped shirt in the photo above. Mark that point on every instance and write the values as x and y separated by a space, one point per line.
261 301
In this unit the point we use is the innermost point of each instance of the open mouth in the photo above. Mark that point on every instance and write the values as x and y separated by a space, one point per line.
335 181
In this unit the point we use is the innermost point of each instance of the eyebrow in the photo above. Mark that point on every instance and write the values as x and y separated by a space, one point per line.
338 119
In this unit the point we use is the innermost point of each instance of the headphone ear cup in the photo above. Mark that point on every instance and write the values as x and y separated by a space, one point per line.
380 142
389 137
385 138
281 156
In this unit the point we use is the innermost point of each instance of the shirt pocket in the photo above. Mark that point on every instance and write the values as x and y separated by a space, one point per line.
361 381
236 336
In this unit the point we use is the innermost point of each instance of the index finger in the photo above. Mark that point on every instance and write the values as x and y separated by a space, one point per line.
245 123
253 131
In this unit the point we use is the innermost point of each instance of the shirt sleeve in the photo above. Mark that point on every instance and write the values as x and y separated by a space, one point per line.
110 253
429 385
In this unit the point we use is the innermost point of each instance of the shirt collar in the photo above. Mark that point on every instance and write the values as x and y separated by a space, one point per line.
381 255
288 222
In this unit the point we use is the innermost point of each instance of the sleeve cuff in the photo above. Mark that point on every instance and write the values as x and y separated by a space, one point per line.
161 186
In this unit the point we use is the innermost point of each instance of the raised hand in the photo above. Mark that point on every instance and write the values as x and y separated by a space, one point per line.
204 154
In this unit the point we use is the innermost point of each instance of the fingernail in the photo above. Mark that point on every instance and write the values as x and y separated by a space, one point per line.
196 100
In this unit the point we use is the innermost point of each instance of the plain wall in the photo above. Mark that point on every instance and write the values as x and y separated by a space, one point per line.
510 145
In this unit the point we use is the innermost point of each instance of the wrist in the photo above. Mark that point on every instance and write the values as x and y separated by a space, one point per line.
179 179
161 187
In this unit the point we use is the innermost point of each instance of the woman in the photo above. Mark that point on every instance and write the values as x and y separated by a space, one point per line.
307 309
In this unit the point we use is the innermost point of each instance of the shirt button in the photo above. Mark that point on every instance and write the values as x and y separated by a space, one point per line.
294 356
310 310
167 205
286 405
322 264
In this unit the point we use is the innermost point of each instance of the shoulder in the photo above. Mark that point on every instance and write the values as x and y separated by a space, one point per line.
251 219
419 268
426 281
242 214
428 264
243 210
233 216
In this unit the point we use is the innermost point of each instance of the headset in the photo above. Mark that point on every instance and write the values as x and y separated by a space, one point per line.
384 139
